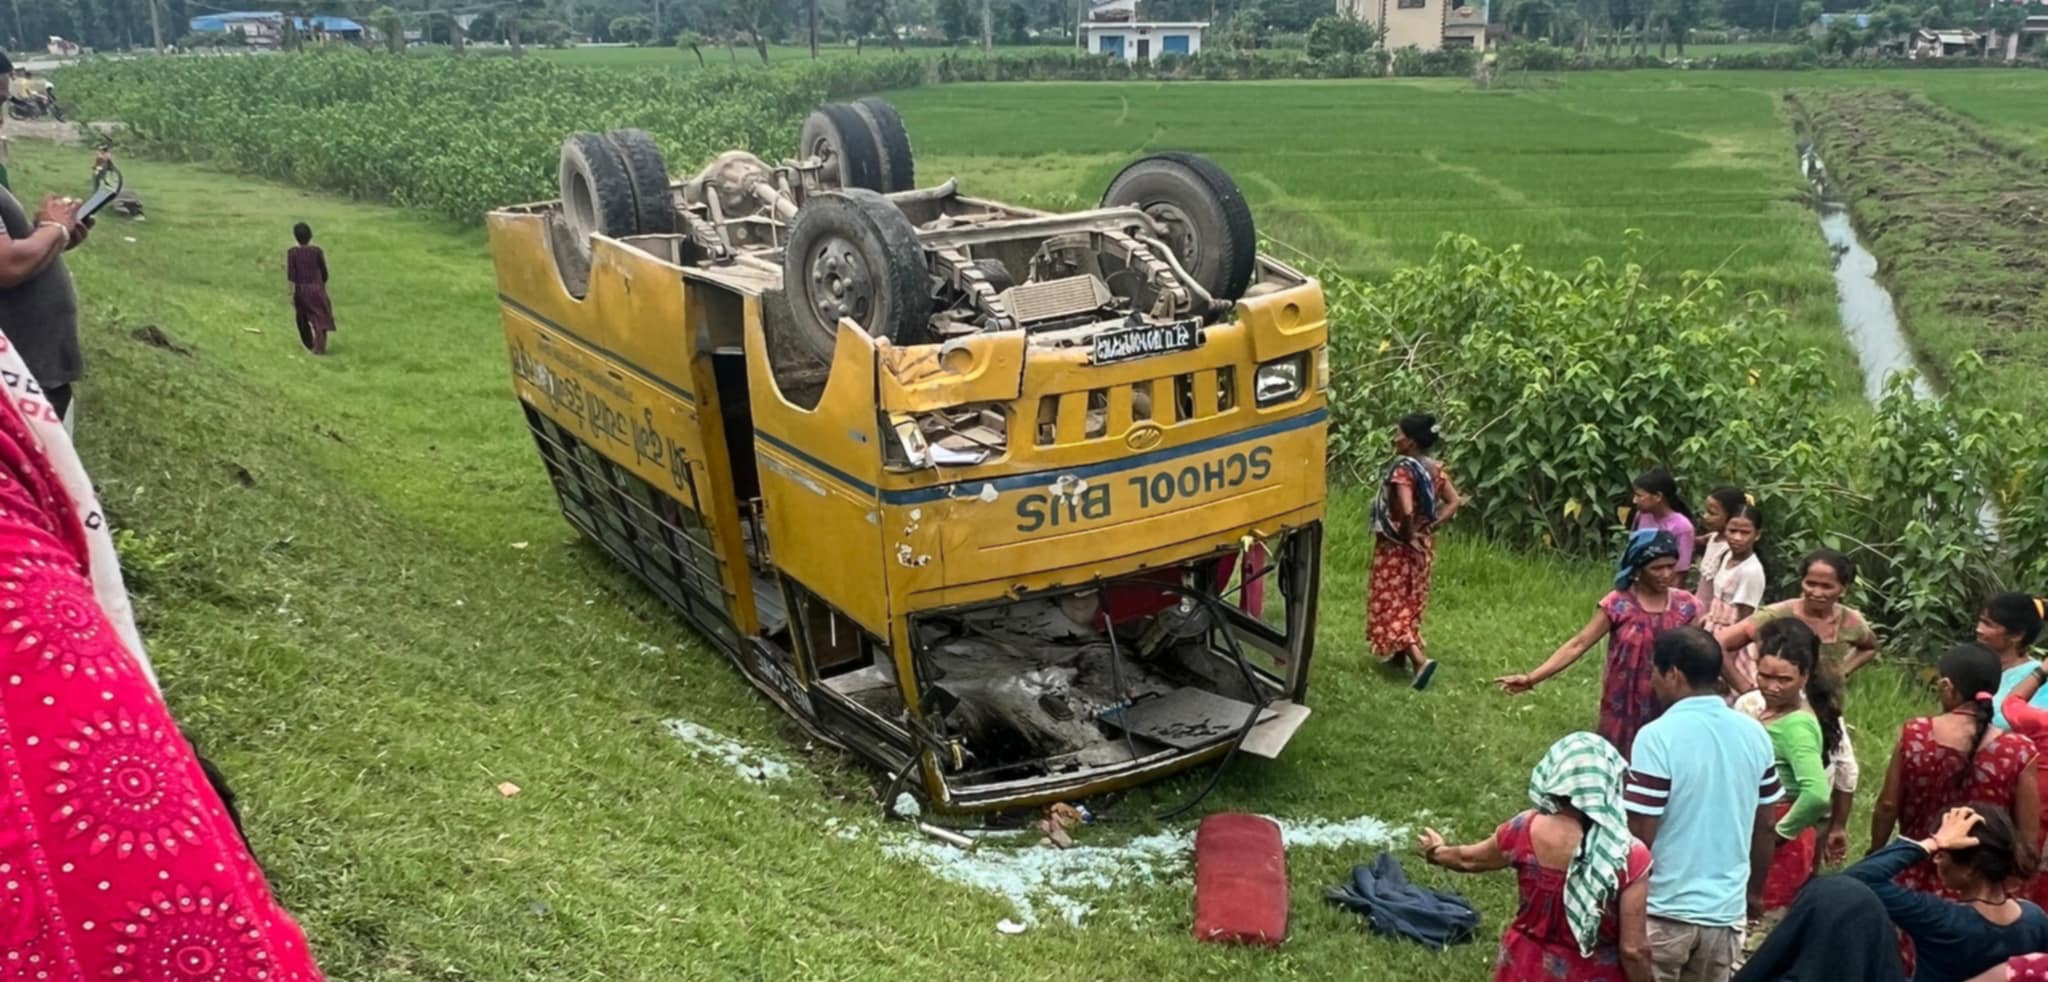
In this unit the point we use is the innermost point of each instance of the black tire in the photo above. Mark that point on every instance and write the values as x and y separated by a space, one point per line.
15 111
892 141
597 195
852 254
840 136
998 274
1207 221
647 174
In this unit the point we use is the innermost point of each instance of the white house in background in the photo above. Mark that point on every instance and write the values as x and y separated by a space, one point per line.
1144 40
1113 29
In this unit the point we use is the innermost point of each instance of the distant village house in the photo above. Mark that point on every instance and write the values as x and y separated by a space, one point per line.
1428 25
265 29
1113 29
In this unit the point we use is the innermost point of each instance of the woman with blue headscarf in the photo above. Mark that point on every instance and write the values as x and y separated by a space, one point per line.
1645 601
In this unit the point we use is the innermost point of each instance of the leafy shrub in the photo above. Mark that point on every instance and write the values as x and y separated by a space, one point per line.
1534 56
1556 390
1333 36
456 136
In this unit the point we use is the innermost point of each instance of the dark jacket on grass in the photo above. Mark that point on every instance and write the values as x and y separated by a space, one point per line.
1397 908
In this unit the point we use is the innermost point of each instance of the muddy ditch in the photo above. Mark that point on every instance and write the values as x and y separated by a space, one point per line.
1961 221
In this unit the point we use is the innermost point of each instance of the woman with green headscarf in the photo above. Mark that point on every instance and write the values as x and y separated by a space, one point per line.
1585 881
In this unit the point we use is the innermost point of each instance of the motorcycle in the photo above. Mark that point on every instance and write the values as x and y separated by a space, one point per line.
34 107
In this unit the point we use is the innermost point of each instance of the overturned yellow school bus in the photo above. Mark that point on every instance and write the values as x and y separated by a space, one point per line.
1020 506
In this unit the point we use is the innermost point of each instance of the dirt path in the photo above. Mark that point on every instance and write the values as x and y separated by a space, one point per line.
65 134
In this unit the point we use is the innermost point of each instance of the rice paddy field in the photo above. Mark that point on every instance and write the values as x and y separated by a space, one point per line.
366 609
1681 171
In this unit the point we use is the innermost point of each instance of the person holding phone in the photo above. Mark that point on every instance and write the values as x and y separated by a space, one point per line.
38 303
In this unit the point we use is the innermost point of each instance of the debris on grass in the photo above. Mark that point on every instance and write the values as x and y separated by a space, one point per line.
905 806
1058 882
507 789
1008 926
744 760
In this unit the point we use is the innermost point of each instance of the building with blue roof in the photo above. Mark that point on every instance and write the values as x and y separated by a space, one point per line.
265 28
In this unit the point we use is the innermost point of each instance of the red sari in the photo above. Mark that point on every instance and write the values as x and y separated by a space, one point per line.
1928 788
1399 586
1538 945
117 860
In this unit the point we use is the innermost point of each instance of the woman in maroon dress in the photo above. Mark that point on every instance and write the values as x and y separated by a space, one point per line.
305 266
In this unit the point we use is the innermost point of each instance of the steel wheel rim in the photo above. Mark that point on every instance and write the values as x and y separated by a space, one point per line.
582 203
837 280
1175 229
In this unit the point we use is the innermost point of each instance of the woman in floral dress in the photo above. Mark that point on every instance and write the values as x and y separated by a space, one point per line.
1644 602
1415 497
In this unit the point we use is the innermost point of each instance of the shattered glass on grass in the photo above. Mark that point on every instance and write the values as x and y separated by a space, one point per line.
745 761
1041 881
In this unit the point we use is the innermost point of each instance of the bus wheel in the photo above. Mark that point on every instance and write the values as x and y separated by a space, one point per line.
654 207
851 254
838 137
1201 212
597 192
892 143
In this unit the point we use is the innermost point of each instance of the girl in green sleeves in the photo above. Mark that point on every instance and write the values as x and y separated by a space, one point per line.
1800 708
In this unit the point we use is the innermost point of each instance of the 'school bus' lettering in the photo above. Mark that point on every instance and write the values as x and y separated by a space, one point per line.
1096 502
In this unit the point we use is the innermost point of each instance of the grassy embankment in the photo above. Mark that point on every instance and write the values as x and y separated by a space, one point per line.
366 609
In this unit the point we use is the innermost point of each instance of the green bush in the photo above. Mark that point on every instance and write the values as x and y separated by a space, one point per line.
1556 390
456 136
1331 37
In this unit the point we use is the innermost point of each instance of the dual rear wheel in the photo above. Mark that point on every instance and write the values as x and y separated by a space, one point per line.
850 253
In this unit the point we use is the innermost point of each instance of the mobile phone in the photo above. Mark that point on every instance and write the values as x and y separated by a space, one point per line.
104 188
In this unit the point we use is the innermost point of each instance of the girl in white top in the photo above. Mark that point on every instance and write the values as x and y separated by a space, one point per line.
1738 589
1714 549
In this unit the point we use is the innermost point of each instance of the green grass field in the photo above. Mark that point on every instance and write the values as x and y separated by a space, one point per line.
364 606
1369 175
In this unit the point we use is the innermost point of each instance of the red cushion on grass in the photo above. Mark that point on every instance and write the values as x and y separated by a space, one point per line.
1240 881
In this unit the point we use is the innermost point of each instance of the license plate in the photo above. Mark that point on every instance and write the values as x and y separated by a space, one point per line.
1143 342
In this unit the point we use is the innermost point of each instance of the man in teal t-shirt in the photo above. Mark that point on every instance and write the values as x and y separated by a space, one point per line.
1701 782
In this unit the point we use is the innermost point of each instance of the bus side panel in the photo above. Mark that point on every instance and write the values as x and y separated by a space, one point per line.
615 370
819 469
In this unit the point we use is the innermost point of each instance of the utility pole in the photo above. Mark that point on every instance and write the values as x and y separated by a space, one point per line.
657 21
987 31
20 39
156 28
814 29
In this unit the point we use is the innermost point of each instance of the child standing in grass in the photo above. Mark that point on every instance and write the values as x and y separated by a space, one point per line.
305 268
1659 506
1738 589
1721 502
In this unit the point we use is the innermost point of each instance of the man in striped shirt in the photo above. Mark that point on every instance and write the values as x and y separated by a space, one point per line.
1701 783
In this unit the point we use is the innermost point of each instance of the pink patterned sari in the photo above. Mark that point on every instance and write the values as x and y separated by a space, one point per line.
117 860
